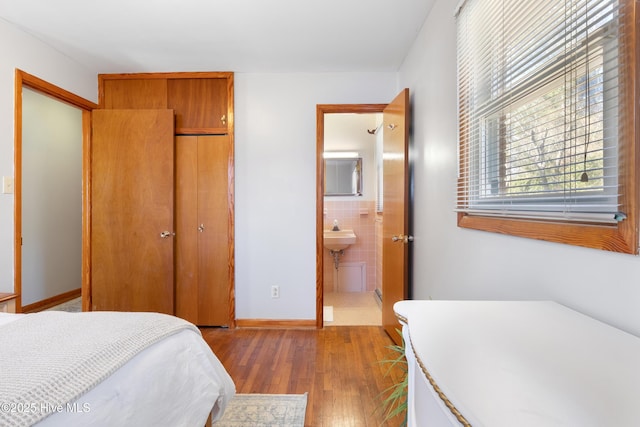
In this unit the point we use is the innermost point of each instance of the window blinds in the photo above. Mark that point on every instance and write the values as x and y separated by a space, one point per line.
538 93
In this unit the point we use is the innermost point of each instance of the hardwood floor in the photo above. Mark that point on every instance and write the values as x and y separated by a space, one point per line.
339 366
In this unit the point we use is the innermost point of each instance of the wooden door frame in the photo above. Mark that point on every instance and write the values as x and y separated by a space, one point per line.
23 79
321 110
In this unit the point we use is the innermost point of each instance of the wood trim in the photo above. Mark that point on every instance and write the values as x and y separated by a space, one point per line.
23 79
610 238
622 237
50 302
201 131
168 75
231 200
319 217
86 209
350 108
17 191
633 127
275 324
56 92
321 110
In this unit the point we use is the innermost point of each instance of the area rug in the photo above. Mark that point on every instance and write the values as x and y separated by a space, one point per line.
73 306
265 410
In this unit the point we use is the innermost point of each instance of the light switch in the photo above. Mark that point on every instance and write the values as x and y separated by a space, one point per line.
7 185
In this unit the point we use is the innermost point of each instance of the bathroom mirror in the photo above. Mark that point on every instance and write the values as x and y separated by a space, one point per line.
343 177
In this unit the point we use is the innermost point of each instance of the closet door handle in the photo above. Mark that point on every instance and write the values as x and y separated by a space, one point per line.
166 234
201 228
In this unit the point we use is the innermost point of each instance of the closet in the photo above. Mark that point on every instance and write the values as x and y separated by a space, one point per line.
202 228
157 246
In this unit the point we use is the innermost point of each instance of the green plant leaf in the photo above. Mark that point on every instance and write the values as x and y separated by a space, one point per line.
394 397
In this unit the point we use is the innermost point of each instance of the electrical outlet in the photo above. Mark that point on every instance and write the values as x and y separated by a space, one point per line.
275 291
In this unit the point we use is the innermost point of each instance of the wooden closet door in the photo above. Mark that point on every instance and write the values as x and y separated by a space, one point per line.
138 94
132 160
213 241
187 228
203 209
201 104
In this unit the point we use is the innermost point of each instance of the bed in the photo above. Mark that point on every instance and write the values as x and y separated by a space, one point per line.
106 369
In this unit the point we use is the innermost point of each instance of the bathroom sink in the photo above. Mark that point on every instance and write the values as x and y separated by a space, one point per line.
338 240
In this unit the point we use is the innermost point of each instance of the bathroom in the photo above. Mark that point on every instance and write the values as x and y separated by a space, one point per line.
352 280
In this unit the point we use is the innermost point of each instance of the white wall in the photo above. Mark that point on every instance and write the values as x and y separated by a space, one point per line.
275 124
454 263
19 50
51 197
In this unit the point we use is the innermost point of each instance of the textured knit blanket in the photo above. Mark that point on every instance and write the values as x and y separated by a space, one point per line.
51 358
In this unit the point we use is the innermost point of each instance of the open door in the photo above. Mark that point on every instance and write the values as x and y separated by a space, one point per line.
132 244
395 264
396 238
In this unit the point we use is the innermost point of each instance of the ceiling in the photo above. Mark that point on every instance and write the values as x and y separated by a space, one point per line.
225 35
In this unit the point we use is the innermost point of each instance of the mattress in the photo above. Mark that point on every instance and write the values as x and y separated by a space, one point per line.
177 381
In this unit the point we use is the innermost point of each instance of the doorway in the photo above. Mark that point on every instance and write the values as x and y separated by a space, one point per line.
50 193
352 282
395 231
350 212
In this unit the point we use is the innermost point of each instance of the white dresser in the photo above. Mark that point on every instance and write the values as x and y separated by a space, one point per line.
512 363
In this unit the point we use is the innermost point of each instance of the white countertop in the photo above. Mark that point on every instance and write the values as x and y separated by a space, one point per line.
533 363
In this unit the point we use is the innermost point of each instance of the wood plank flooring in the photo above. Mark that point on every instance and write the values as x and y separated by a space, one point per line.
338 366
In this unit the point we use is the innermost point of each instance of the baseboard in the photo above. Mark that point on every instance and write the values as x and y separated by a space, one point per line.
275 324
50 302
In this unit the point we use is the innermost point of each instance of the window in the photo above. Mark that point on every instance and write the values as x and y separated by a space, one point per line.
547 129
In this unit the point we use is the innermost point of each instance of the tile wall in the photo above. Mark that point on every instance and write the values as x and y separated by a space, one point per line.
360 216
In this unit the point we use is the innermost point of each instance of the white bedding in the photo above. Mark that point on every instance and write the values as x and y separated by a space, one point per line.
175 382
